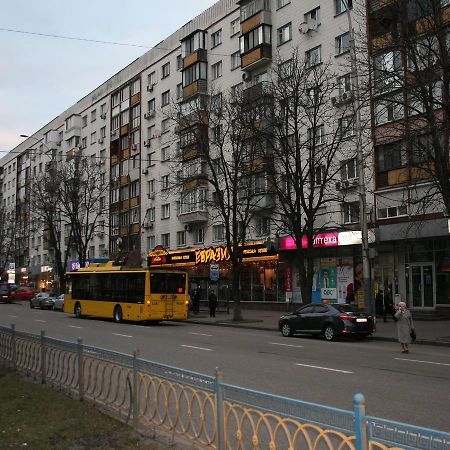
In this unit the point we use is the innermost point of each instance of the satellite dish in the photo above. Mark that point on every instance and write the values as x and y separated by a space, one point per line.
303 28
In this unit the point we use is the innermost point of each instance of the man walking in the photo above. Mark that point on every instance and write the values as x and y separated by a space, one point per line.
212 303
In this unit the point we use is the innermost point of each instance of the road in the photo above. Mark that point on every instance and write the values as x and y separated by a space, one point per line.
412 388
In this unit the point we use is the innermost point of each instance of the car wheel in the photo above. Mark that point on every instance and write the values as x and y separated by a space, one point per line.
118 314
286 329
77 311
329 332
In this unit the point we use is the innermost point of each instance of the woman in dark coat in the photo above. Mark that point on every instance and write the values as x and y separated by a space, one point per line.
212 303
404 326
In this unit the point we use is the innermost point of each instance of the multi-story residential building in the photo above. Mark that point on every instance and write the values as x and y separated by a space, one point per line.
127 125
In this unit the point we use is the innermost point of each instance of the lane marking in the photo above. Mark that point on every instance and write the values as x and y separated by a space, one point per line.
286 345
39 320
201 334
425 362
122 335
197 348
74 326
10 315
324 368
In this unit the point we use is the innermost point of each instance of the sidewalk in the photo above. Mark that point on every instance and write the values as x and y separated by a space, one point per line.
428 332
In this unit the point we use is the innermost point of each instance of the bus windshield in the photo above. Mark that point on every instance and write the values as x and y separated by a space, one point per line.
167 283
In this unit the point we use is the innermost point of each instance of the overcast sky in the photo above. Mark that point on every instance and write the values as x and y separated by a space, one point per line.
40 77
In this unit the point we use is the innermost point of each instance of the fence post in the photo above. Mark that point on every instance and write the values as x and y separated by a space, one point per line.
359 409
43 357
219 409
13 345
80 369
135 394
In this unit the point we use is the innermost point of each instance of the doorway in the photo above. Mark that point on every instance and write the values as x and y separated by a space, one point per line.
420 285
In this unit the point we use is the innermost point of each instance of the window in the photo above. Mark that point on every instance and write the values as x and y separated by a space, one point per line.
392 211
387 110
134 215
216 38
181 238
151 105
103 132
216 70
124 193
313 16
165 182
165 98
263 226
151 159
218 232
342 43
165 211
165 70
316 136
151 186
151 214
152 78
254 7
349 169
165 240
179 62
197 71
235 26
114 195
350 212
195 42
165 125
390 156
135 86
423 148
342 5
236 90
313 56
255 38
347 127
84 121
115 123
93 115
193 201
179 90
281 3
199 236
151 242
136 116
285 69
165 153
84 142
134 189
235 60
93 137
386 67
344 83
284 34
115 99
103 109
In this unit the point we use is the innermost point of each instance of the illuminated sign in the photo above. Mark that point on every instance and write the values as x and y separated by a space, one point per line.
211 254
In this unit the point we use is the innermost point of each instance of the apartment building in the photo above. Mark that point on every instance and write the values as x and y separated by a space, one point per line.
126 126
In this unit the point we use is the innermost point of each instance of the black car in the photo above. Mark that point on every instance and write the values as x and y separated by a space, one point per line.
328 320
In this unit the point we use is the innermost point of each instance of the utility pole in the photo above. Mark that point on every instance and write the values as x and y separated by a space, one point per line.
368 301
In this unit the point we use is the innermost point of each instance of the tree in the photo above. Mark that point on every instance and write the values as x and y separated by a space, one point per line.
309 139
7 237
218 151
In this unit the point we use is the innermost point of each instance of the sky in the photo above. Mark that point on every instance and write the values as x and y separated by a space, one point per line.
40 77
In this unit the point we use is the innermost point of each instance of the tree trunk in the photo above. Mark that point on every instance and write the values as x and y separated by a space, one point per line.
236 275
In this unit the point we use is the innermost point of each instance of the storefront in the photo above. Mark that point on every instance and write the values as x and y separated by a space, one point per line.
262 275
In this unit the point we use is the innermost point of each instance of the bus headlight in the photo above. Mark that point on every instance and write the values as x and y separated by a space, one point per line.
148 302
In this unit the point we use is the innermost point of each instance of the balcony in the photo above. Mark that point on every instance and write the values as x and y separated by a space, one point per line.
198 216
262 17
194 151
197 87
198 56
265 200
381 42
256 92
376 5
257 57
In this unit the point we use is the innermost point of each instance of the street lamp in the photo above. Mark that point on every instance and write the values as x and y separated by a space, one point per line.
360 163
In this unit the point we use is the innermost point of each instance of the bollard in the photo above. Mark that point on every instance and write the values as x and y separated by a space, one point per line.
43 358
135 394
80 369
359 409
13 349
220 445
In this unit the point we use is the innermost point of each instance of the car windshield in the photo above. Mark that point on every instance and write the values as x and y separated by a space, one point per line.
345 308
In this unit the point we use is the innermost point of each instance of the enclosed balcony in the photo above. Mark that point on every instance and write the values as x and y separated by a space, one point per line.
193 206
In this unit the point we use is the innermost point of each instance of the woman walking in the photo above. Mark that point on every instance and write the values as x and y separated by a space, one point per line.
404 326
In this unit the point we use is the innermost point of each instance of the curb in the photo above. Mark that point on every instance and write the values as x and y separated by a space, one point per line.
372 338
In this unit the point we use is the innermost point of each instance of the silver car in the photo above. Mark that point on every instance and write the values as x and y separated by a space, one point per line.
59 303
36 301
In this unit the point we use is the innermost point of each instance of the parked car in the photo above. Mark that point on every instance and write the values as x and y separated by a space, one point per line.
328 320
5 296
23 293
38 301
59 303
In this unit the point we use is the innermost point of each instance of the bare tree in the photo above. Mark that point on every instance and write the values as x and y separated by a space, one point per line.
7 237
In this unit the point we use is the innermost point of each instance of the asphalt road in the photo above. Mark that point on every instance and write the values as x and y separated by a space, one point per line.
412 388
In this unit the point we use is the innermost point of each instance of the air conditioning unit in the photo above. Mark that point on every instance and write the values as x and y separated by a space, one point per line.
306 27
133 146
246 76
103 116
148 225
149 115
147 143
100 141
114 133
151 195
150 87
347 95
188 228
144 171
156 135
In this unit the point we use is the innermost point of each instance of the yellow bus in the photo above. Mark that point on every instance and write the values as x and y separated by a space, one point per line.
120 293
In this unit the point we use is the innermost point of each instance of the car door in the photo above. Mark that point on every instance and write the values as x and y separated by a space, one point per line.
303 320
319 317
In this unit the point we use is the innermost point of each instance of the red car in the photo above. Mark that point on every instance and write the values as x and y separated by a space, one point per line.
23 293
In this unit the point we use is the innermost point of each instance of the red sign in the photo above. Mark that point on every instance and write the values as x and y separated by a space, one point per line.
288 279
320 240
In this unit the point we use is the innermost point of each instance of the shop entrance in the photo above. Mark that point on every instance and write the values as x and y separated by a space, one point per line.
420 285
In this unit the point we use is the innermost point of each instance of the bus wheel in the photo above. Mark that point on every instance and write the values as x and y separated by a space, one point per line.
77 311
118 314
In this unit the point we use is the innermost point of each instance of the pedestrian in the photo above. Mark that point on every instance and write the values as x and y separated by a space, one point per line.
212 303
350 297
388 305
379 301
195 298
404 326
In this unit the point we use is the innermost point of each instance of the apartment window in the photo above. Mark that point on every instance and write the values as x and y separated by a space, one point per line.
218 232
216 38
235 27
103 109
179 62
152 78
342 5
390 156
165 211
165 153
284 34
349 169
236 90
199 236
197 71
216 101
179 90
84 142
285 69
93 137
281 3
387 110
423 148
93 115
135 87
235 60
115 171
350 212
216 70
347 127
115 123
84 121
136 116
125 117
124 142
151 159
165 70
181 238
125 94
344 83
124 193
165 125
151 214
316 136
134 189
165 240
254 7
151 105
386 66
151 242
165 182
115 99
165 98
392 211
263 226
313 56
114 195
342 43
151 186
103 132
255 38
313 16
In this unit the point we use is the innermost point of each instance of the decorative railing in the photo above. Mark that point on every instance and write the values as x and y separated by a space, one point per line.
198 409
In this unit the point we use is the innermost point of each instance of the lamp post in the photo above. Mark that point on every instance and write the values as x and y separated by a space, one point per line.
360 164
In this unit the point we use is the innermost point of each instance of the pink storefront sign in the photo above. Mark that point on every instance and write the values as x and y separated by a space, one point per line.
320 240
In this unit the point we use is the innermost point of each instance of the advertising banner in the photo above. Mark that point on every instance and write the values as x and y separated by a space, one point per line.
328 288
345 279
